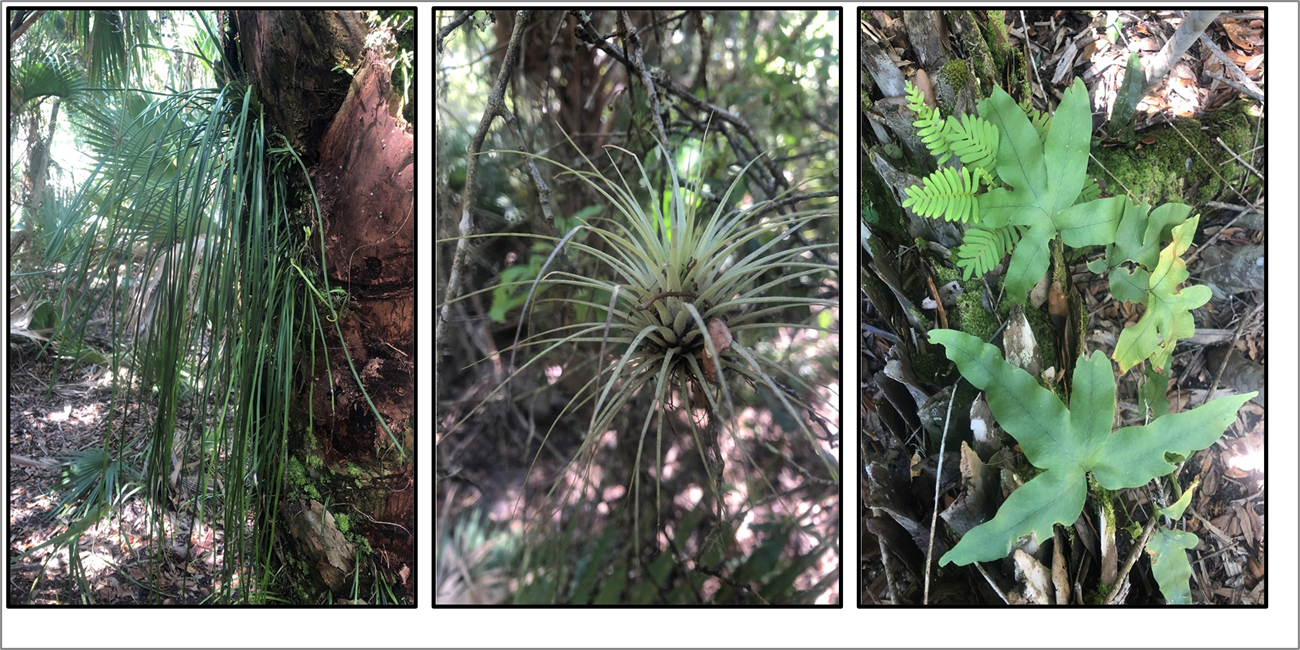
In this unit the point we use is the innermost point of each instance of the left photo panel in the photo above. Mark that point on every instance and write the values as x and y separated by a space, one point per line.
637 310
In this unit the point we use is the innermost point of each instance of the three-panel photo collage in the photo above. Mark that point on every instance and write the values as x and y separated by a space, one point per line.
792 308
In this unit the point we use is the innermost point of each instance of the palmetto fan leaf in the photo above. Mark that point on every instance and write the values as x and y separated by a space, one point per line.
44 74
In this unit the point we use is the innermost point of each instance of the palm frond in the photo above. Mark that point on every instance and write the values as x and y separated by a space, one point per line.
42 74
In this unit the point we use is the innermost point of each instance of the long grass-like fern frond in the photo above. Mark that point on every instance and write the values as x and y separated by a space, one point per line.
983 248
948 192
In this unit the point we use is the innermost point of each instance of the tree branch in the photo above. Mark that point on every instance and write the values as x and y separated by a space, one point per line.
495 108
1132 557
588 33
634 42
451 27
26 24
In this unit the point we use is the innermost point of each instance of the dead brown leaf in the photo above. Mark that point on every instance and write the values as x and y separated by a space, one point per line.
721 336
1244 37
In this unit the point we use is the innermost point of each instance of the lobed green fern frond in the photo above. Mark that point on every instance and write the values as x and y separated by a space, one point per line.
949 193
983 248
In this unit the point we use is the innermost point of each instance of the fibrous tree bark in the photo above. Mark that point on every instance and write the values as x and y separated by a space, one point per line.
361 156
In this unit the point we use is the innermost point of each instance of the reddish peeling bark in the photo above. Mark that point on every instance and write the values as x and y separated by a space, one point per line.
362 157
366 175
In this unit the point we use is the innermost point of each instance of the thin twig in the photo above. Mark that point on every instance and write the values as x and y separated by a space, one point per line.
633 40
815 151
984 572
1215 237
589 34
1235 86
1130 560
1223 537
768 206
743 587
1208 163
397 525
1029 61
1239 158
1244 84
938 301
894 596
1223 365
938 484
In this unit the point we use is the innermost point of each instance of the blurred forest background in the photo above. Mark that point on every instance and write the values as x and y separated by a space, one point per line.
757 83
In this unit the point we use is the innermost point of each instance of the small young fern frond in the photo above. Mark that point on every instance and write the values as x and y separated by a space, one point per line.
983 248
974 140
949 193
916 101
930 127
1041 121
1091 190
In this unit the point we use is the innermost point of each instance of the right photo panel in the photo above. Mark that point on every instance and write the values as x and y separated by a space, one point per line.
1063 307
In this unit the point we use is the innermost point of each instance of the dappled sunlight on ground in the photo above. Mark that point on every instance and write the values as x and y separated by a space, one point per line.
776 482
